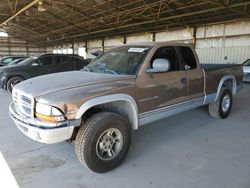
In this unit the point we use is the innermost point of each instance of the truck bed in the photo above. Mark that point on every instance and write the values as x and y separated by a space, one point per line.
215 72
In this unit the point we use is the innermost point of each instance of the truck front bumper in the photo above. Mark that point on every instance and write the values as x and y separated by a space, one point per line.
45 134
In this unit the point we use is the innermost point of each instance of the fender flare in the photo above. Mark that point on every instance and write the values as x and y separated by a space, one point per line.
222 81
109 99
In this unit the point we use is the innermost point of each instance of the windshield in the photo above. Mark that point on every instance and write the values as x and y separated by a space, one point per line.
7 60
15 61
120 60
28 61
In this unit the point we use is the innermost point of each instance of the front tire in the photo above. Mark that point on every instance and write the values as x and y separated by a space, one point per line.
222 107
103 141
12 82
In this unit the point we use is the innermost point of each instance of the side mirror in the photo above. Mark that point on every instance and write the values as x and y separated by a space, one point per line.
159 65
187 67
35 64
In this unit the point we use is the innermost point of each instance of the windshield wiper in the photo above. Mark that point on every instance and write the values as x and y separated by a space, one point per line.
106 69
86 69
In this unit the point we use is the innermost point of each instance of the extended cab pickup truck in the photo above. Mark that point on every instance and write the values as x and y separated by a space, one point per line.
124 88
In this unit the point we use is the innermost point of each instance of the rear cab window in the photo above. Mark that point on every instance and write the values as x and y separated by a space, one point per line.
188 58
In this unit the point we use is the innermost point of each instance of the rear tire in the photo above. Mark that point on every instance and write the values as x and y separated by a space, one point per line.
12 82
222 107
103 141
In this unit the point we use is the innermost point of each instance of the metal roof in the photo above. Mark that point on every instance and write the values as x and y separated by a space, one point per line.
75 20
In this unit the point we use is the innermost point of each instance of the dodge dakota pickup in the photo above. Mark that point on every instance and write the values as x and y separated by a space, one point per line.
126 87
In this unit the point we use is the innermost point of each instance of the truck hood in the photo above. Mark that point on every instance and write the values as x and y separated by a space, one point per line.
67 80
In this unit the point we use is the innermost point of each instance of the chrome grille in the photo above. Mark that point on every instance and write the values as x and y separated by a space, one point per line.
23 104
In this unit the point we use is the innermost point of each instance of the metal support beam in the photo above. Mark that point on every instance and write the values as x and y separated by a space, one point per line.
86 46
19 12
103 47
124 40
73 47
8 40
27 50
153 38
194 36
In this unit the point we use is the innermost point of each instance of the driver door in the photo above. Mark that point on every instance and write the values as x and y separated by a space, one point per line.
162 89
41 66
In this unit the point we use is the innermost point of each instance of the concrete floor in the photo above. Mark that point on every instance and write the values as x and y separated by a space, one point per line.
188 150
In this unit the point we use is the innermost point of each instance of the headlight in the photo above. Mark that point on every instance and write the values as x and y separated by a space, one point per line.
48 113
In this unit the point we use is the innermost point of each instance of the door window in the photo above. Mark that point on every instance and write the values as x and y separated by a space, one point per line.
76 60
61 59
45 60
170 54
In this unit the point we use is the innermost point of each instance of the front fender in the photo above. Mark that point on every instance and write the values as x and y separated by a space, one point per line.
129 106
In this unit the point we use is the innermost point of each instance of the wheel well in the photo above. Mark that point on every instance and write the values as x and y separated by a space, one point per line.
122 108
228 84
15 76
6 83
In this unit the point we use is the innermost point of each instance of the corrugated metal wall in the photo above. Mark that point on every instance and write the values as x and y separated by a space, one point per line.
11 46
224 55
221 43
224 43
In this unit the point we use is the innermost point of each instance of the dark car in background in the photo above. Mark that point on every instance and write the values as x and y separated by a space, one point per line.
39 65
9 59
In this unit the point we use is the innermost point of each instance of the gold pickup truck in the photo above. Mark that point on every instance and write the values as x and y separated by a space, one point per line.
126 87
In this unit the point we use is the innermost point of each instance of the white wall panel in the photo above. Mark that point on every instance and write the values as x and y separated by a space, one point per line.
140 38
113 42
200 32
90 50
214 30
237 41
224 55
177 35
95 44
3 48
237 28
210 43
223 42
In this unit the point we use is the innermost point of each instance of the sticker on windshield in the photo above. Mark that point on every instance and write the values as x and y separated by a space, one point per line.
137 49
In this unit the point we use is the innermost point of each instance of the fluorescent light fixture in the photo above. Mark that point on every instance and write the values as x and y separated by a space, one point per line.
3 34
70 51
64 51
41 7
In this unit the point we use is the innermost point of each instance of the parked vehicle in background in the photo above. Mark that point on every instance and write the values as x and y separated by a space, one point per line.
7 60
246 71
39 65
122 89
